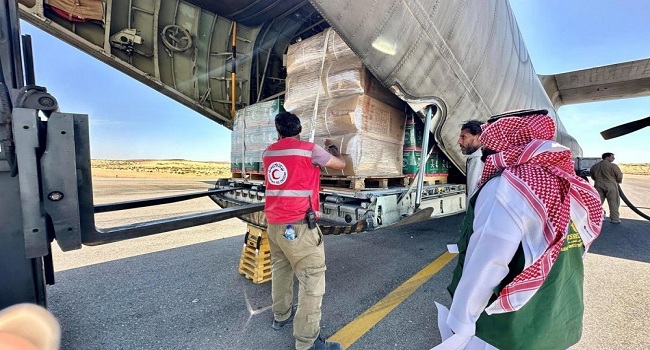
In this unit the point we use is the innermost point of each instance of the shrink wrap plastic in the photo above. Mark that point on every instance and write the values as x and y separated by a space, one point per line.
307 55
329 72
237 143
350 78
345 79
358 114
336 97
366 156
253 131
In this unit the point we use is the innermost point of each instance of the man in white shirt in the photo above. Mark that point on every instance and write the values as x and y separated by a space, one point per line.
519 279
470 145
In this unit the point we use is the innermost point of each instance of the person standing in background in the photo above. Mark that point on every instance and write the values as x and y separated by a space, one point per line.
292 206
607 176
470 145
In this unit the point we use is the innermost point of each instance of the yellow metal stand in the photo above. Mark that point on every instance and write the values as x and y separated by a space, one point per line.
255 261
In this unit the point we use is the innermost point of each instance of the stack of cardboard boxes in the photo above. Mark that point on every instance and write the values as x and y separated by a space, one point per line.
337 98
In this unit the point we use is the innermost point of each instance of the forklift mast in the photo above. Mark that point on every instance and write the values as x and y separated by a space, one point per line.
46 183
23 275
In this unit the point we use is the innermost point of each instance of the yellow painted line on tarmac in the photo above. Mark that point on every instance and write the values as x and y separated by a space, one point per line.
354 330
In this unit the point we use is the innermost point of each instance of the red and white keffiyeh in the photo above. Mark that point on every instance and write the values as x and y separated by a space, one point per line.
542 172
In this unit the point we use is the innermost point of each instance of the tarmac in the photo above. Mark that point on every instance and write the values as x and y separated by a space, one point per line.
181 290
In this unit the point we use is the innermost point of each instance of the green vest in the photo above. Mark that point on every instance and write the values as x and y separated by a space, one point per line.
552 318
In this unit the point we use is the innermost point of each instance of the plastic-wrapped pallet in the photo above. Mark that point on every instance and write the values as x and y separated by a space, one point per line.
318 72
336 97
253 131
368 132
305 87
366 155
307 55
237 143
352 114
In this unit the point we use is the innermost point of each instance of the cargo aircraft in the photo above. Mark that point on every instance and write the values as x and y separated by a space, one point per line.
449 60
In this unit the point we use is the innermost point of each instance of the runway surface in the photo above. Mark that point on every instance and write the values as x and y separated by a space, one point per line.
181 290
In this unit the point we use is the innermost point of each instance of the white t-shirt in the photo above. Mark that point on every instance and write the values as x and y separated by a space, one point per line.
474 171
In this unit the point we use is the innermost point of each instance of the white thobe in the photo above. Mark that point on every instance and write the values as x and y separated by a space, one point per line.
503 220
496 237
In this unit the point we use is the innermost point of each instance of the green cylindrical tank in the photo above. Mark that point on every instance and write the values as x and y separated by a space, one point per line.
409 133
437 164
411 161
412 133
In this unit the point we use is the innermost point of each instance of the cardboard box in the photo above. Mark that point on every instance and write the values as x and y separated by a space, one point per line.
330 71
352 114
307 55
366 156
352 79
368 132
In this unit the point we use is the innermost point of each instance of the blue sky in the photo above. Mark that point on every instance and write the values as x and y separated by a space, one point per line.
566 35
129 120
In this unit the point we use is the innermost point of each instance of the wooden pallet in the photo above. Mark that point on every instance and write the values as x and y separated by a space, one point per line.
250 176
351 182
255 261
255 265
431 180
359 183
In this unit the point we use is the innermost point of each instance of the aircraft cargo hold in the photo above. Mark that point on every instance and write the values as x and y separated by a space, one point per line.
337 98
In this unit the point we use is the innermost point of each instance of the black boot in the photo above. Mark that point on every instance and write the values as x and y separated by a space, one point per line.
322 344
277 325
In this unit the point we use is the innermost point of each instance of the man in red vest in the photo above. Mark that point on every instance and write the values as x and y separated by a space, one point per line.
292 181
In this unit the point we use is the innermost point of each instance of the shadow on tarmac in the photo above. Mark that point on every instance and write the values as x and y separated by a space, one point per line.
629 240
192 297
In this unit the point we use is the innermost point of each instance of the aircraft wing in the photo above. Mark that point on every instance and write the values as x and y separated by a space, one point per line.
621 80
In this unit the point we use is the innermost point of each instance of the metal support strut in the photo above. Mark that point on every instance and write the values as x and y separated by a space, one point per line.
424 155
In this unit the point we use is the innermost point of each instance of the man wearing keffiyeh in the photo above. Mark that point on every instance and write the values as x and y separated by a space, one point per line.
519 279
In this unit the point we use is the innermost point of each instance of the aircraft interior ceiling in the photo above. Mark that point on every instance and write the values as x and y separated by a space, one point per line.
184 48
250 12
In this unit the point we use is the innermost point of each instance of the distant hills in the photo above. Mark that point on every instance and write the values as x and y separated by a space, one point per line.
165 168
182 168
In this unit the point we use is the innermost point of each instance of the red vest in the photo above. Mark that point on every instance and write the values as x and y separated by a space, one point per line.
291 179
